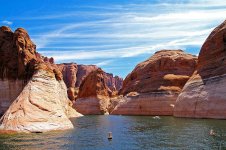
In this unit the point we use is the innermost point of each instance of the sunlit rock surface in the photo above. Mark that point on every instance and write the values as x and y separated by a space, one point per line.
94 94
34 86
153 86
204 95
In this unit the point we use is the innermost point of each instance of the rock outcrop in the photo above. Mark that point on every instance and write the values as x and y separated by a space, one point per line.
39 95
69 72
153 86
17 57
114 82
203 96
9 90
83 72
94 94
74 74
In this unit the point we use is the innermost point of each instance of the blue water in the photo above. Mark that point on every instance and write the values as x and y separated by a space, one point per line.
129 133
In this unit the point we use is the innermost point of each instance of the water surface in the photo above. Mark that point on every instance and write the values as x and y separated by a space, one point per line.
129 133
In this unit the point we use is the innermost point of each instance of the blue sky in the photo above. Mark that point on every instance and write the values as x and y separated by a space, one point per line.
113 34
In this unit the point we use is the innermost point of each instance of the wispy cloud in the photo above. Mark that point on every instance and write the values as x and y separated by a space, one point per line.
6 22
105 33
103 63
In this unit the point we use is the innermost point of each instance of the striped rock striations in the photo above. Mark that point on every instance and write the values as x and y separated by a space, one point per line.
94 95
153 86
32 89
203 96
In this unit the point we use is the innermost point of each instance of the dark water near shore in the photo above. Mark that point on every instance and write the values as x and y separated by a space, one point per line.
129 133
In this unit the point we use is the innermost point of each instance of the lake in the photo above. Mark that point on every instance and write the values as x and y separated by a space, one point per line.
129 133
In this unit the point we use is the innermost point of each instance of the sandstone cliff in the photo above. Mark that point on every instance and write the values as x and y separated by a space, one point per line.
203 96
74 74
34 84
94 94
153 86
17 56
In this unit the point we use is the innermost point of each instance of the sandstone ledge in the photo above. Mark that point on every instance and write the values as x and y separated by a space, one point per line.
202 98
155 103
92 105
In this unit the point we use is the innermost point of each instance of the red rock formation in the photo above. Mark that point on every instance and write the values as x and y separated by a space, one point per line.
17 54
118 82
94 94
153 86
203 96
41 102
74 74
83 72
69 72
50 60
114 83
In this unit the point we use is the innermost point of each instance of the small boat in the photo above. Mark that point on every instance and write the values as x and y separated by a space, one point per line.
156 117
212 133
109 135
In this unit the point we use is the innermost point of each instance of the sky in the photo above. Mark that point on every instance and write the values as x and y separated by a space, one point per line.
113 34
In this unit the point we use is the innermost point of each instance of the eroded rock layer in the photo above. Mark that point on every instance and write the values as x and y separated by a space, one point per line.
153 86
94 94
41 106
9 90
203 96
74 74
34 84
17 63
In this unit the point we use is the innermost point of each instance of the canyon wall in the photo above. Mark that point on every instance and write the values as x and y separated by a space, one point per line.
153 86
203 96
74 74
31 87
94 94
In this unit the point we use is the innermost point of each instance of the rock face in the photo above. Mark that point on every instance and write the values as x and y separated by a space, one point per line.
41 106
83 72
94 94
74 74
17 56
114 83
153 86
39 94
9 90
203 96
69 72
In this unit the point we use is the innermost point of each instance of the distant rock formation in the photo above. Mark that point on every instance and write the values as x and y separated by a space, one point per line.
74 74
34 85
204 95
83 72
95 93
153 86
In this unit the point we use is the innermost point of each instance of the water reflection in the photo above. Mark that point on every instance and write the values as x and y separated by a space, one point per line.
129 132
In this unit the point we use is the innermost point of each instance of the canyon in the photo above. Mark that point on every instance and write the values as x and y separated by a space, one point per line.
74 74
38 95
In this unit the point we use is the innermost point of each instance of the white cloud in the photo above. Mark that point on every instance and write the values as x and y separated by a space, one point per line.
7 22
150 27
104 63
